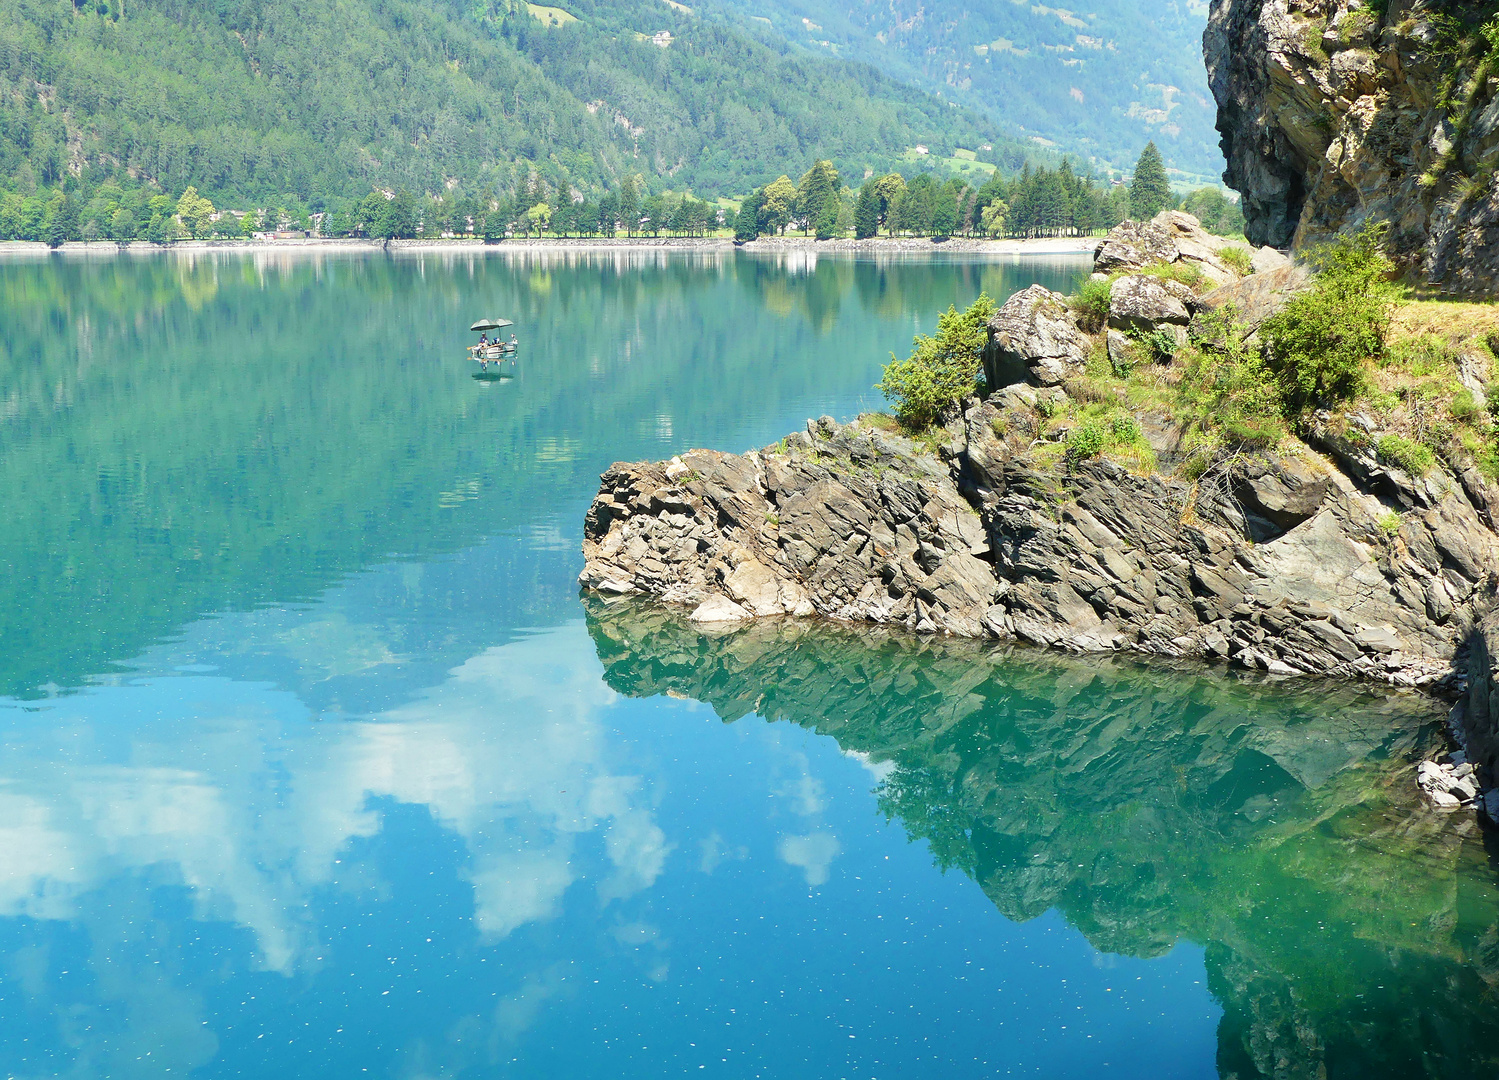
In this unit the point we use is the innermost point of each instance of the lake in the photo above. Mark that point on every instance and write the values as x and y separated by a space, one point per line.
317 764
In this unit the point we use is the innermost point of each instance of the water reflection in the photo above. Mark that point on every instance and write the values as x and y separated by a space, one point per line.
209 433
1347 931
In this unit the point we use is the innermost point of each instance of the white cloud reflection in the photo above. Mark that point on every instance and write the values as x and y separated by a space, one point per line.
234 790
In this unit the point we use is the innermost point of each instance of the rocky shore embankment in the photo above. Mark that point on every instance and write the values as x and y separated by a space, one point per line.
1314 557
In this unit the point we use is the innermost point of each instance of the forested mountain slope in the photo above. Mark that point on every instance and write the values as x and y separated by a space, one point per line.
251 99
1096 76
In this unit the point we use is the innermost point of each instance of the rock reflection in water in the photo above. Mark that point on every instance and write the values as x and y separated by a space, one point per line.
1347 931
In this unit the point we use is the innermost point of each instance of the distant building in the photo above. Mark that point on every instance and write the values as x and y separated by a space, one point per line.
922 150
662 39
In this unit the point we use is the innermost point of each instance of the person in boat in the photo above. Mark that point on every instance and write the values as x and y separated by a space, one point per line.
483 340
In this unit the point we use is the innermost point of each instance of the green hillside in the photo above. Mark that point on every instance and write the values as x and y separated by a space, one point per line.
256 100
1097 77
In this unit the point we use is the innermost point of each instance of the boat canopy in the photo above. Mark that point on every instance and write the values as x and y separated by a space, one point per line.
490 324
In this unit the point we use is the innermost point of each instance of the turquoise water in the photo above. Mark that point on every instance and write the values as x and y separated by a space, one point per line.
316 764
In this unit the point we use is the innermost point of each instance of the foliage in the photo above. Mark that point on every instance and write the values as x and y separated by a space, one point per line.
1319 343
1238 260
1162 344
1149 191
1092 304
1086 440
1110 429
1218 213
867 212
1403 453
942 369
195 213
250 102
1228 389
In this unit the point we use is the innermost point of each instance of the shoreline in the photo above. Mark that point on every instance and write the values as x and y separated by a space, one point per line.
1060 246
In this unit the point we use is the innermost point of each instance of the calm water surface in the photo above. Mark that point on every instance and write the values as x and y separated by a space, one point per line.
315 764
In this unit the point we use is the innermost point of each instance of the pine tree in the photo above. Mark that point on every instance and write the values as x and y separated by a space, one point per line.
818 187
867 211
944 211
1149 192
629 206
747 223
609 214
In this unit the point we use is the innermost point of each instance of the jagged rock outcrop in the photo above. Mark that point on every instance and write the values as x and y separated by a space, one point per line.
1318 557
1176 237
1332 115
1282 562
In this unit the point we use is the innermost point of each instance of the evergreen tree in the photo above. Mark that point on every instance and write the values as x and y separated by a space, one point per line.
944 211
867 211
655 213
62 221
629 206
827 219
747 222
609 214
1149 192
818 187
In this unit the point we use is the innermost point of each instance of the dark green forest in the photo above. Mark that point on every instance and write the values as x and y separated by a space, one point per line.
271 102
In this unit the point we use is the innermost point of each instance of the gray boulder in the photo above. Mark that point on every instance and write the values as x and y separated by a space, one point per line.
1170 237
1034 337
1134 244
1254 299
1143 303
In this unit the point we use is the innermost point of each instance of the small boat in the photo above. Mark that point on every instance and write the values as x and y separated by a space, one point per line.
495 352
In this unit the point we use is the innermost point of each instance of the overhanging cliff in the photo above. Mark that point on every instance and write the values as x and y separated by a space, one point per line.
1333 113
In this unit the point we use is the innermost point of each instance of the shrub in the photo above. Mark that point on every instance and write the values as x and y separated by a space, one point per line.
1412 457
1318 344
942 369
1162 344
1389 523
1230 388
1238 260
1183 272
1092 304
1085 441
1465 408
1117 431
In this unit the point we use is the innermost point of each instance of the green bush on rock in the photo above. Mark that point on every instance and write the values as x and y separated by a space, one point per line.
942 369
1318 344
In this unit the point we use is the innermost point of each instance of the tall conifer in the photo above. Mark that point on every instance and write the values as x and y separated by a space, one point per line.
1149 192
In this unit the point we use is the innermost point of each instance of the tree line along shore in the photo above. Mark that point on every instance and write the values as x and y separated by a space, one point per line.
1036 202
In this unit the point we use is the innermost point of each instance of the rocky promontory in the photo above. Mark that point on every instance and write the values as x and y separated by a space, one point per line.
1320 553
1337 112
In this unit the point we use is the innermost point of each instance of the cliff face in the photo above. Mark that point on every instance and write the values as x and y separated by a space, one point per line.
1279 563
1331 115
